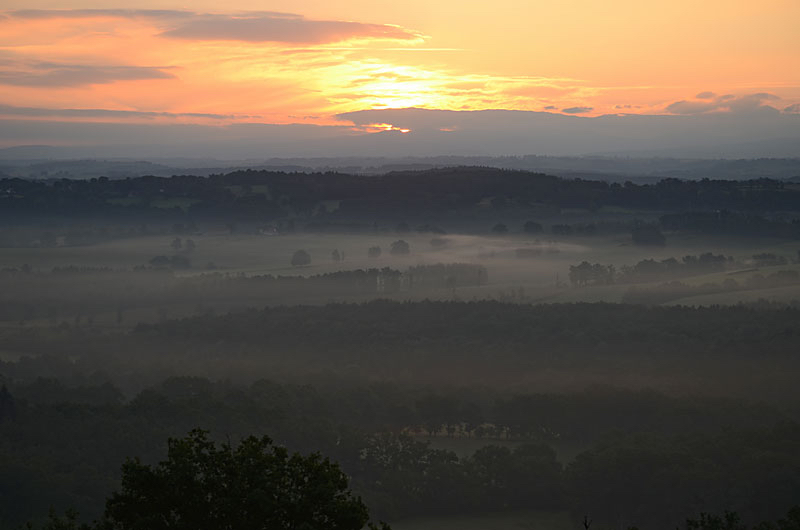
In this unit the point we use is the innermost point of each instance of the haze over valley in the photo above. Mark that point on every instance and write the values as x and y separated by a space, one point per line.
411 266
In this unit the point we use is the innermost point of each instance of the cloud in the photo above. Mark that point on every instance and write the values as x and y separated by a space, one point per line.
42 14
38 112
551 107
747 103
577 110
792 109
705 95
254 26
691 107
495 132
290 29
45 74
751 102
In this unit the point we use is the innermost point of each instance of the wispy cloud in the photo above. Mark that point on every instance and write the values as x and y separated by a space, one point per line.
270 28
39 112
258 26
42 14
577 110
47 74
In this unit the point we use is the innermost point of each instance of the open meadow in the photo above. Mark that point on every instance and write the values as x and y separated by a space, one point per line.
519 268
521 520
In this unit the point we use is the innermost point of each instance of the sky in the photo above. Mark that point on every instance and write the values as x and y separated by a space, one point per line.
313 62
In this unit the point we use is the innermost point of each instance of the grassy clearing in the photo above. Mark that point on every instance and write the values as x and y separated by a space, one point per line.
463 447
529 280
777 294
175 202
125 201
741 276
527 520
254 254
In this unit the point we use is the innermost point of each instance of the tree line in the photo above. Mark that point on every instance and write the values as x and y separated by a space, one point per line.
265 195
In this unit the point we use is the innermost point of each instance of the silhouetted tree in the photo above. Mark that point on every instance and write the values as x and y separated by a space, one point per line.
562 230
728 521
301 258
400 247
254 486
532 227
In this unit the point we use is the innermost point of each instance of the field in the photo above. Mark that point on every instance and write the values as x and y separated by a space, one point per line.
543 277
777 294
494 521
255 254
565 451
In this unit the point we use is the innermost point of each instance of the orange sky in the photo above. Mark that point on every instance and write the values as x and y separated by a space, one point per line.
306 60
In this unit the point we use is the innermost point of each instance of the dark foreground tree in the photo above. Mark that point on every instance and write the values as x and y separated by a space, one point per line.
255 486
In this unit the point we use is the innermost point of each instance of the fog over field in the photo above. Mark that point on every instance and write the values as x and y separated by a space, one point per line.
518 267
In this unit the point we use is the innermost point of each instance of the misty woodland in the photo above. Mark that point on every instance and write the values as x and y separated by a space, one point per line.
446 265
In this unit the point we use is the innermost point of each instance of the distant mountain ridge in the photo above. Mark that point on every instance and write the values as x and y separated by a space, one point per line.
752 133
612 169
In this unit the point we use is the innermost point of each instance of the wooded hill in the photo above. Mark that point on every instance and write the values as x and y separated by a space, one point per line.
265 195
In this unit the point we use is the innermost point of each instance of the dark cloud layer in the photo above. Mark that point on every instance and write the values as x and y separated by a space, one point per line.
691 107
577 110
41 74
37 112
494 132
708 103
270 28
